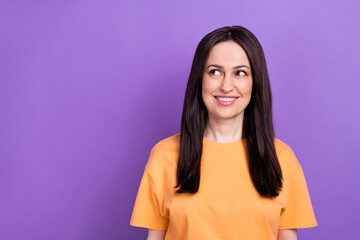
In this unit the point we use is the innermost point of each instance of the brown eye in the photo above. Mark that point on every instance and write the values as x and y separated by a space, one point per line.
215 72
241 73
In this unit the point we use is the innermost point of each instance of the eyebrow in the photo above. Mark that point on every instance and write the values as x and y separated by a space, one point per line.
222 67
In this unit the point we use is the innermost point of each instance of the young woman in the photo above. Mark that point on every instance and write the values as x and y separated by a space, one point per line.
224 176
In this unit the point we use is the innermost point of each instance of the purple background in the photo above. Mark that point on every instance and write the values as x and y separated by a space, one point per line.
88 87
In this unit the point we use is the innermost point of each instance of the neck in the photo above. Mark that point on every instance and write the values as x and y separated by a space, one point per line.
224 130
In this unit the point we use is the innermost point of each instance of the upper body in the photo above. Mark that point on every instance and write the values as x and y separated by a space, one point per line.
224 176
227 206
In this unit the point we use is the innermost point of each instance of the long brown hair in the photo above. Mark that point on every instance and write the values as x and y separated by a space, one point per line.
258 131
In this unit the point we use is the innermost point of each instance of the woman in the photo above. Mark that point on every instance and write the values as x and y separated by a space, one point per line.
224 176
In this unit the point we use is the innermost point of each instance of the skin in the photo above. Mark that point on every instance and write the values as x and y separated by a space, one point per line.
287 234
156 235
227 72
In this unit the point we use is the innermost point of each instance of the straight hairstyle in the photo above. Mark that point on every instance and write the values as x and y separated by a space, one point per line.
257 129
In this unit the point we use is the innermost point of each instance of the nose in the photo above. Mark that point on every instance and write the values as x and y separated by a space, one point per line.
226 84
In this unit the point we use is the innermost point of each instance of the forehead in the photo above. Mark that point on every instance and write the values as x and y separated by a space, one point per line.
228 53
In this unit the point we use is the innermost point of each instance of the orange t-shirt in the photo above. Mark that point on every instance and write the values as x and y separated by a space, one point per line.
227 206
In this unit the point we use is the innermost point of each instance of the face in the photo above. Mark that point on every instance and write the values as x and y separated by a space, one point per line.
227 81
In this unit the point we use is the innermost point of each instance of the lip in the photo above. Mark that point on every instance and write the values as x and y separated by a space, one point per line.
225 103
229 96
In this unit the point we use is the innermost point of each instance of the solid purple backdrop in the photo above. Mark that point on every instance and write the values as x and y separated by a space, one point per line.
88 87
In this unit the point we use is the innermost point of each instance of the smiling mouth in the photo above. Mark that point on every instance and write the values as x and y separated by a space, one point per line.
226 99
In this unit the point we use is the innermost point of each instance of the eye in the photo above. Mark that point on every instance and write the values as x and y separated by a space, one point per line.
241 73
215 72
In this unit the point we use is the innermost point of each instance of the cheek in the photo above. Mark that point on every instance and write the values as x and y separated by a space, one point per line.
249 87
245 87
208 86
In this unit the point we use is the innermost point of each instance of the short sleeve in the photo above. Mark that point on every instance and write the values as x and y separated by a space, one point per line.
298 212
147 211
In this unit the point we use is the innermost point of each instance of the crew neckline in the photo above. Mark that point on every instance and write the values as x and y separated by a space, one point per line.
219 143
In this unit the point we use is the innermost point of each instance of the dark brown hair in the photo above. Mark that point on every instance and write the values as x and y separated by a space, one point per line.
257 131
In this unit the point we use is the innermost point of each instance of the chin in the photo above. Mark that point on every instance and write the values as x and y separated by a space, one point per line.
227 116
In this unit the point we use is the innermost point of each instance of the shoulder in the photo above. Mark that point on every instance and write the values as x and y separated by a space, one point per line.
286 156
164 154
171 144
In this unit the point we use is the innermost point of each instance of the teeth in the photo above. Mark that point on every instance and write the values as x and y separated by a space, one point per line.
225 99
